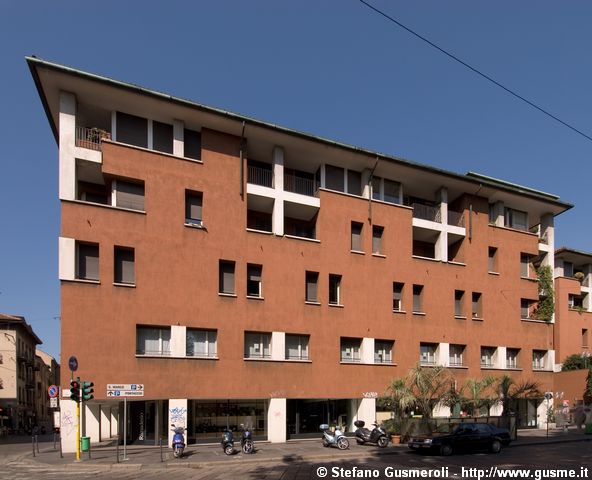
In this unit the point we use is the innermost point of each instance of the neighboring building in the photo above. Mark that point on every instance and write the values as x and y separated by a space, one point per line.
18 393
247 273
47 373
573 309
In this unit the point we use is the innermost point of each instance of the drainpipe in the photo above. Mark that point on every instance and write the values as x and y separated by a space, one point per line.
243 145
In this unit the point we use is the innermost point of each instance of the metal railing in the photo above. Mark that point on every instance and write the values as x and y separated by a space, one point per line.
426 212
260 176
349 358
91 137
456 218
297 184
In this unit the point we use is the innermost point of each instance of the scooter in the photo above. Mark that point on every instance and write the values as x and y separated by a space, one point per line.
227 442
377 435
178 441
247 441
337 438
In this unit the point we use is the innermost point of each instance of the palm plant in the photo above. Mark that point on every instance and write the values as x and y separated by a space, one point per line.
429 386
509 391
476 394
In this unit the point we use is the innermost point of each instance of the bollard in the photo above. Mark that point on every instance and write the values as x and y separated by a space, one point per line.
33 445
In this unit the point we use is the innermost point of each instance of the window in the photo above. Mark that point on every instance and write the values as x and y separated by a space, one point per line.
398 297
153 341
512 357
524 265
201 343
356 236
87 261
477 307
525 308
377 239
487 354
568 270
254 280
585 337
257 345
376 193
124 265
538 359
417 298
162 137
192 144
334 178
312 287
132 130
226 278
427 353
458 303
193 208
354 182
350 350
334 289
383 351
129 195
516 219
492 260
391 192
456 353
297 347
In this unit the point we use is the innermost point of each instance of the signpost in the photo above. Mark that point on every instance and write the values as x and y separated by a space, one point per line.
52 391
115 390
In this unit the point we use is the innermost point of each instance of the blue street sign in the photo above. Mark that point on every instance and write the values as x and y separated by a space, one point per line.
52 391
73 363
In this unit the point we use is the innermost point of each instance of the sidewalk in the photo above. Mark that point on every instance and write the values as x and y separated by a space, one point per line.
104 454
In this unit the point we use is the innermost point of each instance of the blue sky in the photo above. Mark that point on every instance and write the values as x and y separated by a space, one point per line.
332 68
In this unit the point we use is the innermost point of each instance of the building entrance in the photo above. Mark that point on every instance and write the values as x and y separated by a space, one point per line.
305 416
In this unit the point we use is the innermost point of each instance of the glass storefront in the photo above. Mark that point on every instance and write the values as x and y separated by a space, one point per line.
207 419
305 416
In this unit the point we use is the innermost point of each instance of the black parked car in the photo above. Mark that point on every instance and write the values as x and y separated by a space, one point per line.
466 437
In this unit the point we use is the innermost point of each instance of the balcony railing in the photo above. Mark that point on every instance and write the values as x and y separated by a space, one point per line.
260 176
456 218
297 184
426 212
349 357
91 137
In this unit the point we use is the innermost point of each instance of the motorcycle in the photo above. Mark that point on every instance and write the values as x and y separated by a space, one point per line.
178 441
364 435
227 442
337 438
247 441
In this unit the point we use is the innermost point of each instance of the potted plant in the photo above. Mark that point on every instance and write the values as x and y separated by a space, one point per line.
392 427
579 276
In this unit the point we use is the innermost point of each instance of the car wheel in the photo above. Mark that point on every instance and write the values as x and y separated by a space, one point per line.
446 450
496 446
382 442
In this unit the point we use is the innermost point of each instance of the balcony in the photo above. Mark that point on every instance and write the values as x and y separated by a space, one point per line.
299 182
456 219
260 176
91 138
426 212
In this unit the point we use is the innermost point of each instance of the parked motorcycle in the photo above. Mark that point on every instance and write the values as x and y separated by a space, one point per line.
337 438
377 435
247 440
227 442
178 441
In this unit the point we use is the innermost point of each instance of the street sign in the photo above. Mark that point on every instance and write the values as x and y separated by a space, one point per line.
52 391
73 363
125 390
53 402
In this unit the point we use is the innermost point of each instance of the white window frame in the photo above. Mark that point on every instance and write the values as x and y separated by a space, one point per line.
383 351
427 353
487 354
161 351
208 341
264 341
456 355
303 346
350 350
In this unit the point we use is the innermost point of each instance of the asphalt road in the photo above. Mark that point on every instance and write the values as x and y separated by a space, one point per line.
536 457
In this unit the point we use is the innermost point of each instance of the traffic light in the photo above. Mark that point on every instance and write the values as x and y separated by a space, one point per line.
87 391
75 390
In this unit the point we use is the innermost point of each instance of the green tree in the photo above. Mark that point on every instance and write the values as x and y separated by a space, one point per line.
476 394
577 361
429 386
509 391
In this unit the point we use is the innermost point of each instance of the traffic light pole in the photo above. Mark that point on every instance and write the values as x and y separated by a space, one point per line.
77 431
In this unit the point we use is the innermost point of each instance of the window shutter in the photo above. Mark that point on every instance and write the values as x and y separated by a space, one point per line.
124 266
130 195
88 261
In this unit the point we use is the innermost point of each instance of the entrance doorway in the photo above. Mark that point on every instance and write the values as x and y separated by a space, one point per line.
305 416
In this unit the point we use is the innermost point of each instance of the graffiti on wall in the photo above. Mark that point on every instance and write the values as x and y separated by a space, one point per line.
178 416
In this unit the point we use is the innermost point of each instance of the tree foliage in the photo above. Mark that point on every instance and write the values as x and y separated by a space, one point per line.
546 305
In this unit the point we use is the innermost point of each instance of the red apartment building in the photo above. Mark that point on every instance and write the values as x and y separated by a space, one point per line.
248 273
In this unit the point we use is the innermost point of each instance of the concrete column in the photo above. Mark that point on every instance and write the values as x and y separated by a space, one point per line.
443 354
114 421
177 415
67 258
178 138
67 126
366 411
366 190
114 126
367 351
550 360
278 345
547 231
105 422
278 185
441 246
276 420
178 341
92 420
498 214
499 359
